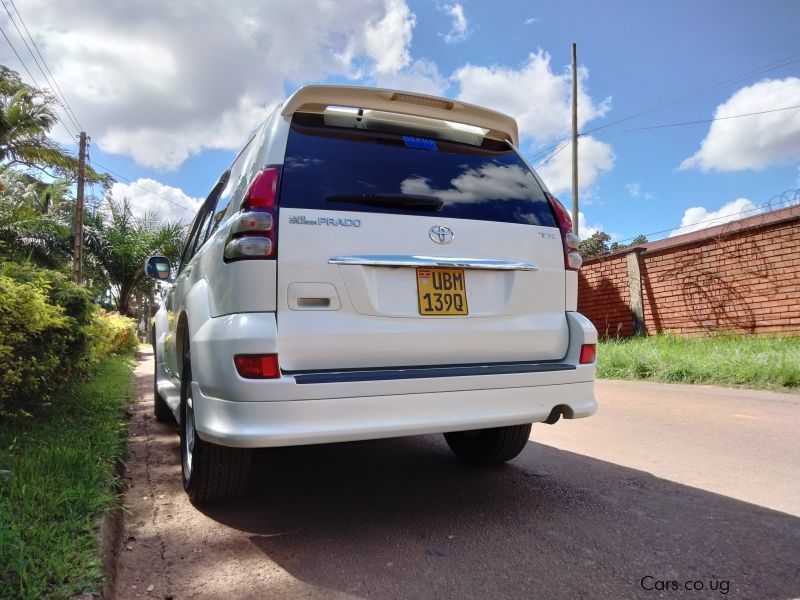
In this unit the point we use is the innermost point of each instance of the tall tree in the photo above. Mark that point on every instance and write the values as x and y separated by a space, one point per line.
595 245
35 219
119 242
26 117
36 175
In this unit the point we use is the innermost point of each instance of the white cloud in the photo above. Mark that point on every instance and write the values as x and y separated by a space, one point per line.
387 39
506 182
634 189
699 217
585 230
161 81
532 20
423 76
459 26
148 195
753 142
541 102
538 98
594 157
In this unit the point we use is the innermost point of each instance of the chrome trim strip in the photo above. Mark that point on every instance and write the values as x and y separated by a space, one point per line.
402 260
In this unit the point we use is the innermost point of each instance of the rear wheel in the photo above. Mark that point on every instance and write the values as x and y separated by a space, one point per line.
488 446
210 472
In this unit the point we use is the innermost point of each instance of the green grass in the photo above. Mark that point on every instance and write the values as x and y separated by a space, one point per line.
745 361
62 465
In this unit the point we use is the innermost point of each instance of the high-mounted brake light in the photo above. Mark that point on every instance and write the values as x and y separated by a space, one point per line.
257 366
572 260
253 232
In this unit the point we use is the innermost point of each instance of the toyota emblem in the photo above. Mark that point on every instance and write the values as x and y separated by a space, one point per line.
441 234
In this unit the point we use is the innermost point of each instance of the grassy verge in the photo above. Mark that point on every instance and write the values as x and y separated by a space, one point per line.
754 362
62 477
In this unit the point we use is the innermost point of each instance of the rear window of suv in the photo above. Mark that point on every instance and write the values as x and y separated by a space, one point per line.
338 168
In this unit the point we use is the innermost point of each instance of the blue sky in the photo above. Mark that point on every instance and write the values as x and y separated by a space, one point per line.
157 108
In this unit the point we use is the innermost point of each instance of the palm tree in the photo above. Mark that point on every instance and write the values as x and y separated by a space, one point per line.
35 220
118 242
26 117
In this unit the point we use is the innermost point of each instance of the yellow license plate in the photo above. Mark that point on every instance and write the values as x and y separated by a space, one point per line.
442 292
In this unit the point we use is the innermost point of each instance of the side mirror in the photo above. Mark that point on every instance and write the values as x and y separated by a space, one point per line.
158 267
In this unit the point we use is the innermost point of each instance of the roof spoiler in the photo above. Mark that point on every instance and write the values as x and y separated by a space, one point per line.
317 98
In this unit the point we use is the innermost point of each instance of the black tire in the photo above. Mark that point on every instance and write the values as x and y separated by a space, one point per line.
209 472
161 409
488 446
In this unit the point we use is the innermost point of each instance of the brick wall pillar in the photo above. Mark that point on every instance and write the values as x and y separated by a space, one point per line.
636 299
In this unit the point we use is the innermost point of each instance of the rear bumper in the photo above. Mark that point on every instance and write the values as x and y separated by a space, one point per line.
298 422
292 411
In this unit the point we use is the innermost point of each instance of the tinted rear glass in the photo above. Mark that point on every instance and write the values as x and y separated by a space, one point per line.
325 166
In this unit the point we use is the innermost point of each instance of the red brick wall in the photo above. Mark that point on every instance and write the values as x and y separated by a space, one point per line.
746 281
603 295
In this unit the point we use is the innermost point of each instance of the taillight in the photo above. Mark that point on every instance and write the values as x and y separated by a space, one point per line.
588 354
257 366
253 232
572 260
264 189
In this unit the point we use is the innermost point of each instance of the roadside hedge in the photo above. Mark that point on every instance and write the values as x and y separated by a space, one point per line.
50 332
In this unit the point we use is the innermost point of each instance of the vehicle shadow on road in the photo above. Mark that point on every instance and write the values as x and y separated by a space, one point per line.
402 518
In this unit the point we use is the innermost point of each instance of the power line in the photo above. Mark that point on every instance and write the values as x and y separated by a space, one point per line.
67 108
141 187
554 153
33 79
547 151
777 64
548 154
664 126
35 60
784 202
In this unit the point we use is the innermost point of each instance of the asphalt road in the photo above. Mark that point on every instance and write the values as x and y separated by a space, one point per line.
665 484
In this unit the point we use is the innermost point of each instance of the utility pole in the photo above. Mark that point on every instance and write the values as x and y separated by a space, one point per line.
77 256
574 139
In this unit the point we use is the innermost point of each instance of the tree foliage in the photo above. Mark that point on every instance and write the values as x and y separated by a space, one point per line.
119 242
37 211
50 332
597 245
35 220
27 116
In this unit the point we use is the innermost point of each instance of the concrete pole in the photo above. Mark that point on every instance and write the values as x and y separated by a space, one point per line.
575 139
77 256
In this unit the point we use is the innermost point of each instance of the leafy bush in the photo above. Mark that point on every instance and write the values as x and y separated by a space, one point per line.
28 326
50 332
114 334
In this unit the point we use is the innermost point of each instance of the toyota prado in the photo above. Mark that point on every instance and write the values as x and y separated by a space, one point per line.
374 263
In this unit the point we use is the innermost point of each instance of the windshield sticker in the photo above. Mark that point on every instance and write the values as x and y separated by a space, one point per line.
420 143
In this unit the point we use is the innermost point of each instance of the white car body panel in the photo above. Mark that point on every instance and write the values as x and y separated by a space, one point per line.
300 422
513 315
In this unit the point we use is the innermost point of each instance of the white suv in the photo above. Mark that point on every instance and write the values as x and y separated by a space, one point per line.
374 263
